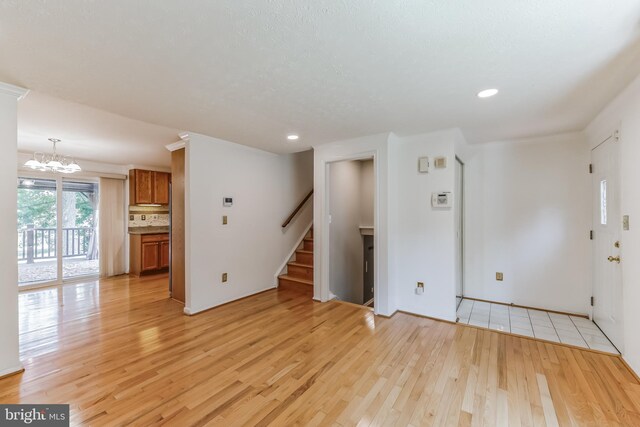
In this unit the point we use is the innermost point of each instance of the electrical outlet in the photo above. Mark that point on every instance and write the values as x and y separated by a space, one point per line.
224 277
224 220
421 285
499 277
143 217
132 218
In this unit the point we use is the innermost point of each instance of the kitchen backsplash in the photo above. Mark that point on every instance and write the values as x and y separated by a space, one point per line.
149 219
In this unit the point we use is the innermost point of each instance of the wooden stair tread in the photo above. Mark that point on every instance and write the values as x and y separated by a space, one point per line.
304 252
296 279
299 264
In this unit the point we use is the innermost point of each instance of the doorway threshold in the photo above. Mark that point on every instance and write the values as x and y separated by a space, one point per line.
541 324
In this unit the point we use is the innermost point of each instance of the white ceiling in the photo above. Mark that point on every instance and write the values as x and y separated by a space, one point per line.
90 134
251 72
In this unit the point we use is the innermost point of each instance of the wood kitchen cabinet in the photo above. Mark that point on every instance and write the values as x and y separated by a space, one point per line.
148 187
149 254
164 254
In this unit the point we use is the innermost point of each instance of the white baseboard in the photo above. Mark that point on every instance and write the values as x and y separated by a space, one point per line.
12 370
189 311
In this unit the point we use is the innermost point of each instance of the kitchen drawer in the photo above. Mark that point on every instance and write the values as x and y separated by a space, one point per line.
147 238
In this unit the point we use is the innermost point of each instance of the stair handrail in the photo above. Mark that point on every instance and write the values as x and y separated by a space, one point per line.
297 209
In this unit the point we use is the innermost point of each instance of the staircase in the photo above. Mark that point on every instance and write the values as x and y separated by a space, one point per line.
299 276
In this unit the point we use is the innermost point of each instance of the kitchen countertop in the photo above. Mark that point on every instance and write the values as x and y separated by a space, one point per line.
148 230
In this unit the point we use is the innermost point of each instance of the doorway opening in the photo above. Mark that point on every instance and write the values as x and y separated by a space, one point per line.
57 230
351 231
458 211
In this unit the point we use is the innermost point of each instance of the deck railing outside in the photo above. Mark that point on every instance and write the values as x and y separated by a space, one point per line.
40 243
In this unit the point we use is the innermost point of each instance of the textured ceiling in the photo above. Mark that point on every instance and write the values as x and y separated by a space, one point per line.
90 133
253 71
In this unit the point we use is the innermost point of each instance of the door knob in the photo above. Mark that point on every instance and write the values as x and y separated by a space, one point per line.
614 258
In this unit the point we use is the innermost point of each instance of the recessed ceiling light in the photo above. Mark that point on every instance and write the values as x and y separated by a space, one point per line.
487 93
293 137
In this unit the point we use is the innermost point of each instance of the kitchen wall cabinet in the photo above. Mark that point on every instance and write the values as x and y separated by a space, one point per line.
148 187
149 254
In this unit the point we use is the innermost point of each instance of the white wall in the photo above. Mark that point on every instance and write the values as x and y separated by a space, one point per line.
622 114
265 187
424 240
344 234
413 242
367 192
9 345
528 215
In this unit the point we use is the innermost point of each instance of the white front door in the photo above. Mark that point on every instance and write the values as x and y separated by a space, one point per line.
607 225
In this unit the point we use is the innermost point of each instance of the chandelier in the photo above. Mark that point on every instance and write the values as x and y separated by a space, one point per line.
52 162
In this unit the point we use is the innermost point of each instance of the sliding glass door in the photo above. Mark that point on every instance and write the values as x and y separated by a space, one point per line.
79 229
37 230
57 230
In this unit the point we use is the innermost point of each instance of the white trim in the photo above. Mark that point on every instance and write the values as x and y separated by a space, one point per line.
293 251
75 280
83 175
324 254
175 146
11 90
184 136
13 370
190 312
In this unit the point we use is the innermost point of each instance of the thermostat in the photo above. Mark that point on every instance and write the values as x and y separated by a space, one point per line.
440 162
443 199
227 201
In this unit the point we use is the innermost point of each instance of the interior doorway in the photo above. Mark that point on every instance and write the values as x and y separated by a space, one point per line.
607 225
57 230
458 210
351 231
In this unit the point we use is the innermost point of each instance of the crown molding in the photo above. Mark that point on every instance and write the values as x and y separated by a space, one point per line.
175 146
184 138
16 91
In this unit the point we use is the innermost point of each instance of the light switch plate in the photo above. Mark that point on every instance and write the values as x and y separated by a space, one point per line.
224 220
224 277
625 222
423 165
499 277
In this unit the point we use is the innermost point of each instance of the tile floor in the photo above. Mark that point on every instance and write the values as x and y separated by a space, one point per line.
540 324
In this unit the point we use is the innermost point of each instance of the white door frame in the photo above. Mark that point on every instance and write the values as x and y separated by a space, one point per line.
462 230
325 286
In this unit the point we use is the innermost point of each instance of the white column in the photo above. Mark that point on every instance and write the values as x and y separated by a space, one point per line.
9 349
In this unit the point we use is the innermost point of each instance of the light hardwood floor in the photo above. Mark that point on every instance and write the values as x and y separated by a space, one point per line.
121 353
